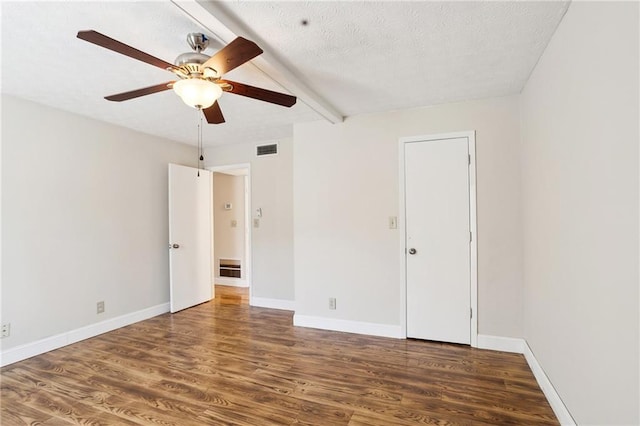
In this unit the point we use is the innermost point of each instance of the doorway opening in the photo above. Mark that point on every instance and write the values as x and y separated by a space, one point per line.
232 225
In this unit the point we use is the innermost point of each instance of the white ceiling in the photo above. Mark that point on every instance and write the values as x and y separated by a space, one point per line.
351 57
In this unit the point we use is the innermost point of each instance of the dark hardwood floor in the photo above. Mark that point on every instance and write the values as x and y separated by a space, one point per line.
225 363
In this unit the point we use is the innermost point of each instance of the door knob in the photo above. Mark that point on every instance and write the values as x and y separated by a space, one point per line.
175 245
412 251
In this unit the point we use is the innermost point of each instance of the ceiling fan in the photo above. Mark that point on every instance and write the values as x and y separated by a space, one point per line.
200 83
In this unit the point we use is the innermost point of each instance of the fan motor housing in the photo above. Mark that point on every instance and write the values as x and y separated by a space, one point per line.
198 43
191 58
189 63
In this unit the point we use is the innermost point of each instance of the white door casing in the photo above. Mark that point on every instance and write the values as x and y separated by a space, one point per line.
437 221
190 237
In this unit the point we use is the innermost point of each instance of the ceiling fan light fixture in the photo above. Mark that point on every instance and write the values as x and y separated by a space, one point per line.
199 77
197 92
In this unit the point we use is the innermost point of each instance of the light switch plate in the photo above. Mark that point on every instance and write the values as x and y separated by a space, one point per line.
393 222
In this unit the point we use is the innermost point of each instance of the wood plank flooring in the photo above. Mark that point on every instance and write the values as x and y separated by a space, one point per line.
225 363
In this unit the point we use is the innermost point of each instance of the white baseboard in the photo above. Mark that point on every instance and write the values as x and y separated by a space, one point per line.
558 407
263 302
371 329
520 346
47 344
233 282
498 343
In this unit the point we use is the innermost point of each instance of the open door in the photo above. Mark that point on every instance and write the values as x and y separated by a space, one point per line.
190 237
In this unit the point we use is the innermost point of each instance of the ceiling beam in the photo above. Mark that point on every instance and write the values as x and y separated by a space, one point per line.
214 17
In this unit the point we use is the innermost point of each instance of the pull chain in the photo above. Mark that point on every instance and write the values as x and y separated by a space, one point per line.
200 149
201 143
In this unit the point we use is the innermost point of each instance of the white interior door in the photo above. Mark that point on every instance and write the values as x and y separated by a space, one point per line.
438 279
190 236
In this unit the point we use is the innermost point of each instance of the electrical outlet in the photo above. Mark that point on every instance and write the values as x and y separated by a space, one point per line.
100 307
6 329
332 303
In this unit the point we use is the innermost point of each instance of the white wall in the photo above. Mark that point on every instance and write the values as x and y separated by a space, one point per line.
228 239
84 219
580 206
346 187
271 190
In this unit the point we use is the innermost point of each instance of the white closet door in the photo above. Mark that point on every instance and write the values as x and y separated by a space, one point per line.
438 240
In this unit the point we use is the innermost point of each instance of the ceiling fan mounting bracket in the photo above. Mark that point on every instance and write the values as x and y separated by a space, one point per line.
198 41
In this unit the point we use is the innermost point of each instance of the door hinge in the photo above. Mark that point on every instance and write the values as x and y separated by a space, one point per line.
470 236
470 312
469 159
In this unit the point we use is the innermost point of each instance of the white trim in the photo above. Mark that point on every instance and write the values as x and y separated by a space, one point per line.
471 138
247 230
558 407
47 344
402 248
231 282
499 343
227 167
263 302
473 224
520 346
368 328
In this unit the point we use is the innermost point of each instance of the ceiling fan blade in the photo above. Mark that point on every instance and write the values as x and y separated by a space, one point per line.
214 114
119 97
260 94
233 55
107 42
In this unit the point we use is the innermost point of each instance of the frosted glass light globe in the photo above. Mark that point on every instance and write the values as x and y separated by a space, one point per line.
197 93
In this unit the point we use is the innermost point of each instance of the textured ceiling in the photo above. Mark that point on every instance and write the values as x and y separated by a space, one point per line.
378 56
360 57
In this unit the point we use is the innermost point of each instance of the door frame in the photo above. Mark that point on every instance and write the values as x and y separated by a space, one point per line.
248 220
402 227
